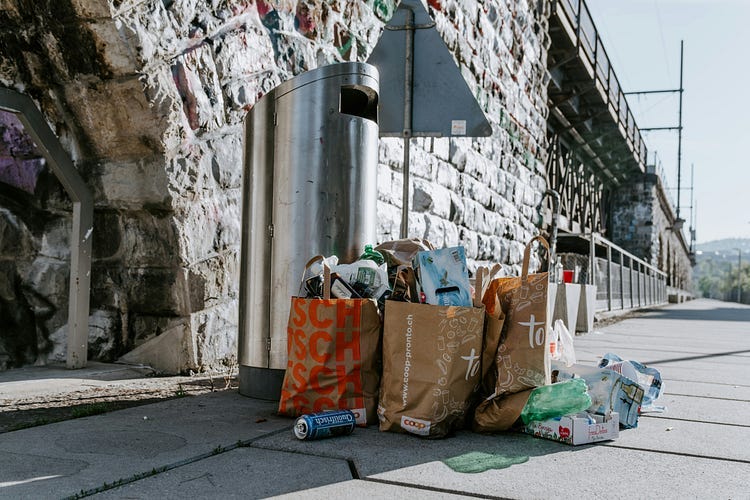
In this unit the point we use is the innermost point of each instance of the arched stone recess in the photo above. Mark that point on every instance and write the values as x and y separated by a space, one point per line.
71 58
28 136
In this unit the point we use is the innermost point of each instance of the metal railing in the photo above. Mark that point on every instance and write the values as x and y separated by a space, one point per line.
623 281
576 15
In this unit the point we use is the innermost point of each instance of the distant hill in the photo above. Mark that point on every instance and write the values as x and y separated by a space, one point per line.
725 246
715 273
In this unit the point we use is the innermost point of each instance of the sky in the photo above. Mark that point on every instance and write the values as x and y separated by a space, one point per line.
642 39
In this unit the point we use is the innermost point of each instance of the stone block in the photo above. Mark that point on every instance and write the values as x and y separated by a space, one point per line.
160 291
15 237
150 29
131 185
227 162
441 148
148 240
112 46
215 336
447 176
207 226
198 85
91 9
120 123
389 221
171 353
434 230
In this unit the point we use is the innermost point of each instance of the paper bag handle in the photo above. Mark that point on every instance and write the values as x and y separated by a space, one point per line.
326 274
482 280
527 255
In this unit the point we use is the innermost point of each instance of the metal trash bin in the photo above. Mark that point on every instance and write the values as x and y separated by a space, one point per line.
309 188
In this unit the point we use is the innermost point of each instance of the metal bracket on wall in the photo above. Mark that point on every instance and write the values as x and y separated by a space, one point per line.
83 219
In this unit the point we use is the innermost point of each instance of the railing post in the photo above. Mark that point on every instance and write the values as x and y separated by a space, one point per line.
632 300
622 282
609 278
592 260
640 280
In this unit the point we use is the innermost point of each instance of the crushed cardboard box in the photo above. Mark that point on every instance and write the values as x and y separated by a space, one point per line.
581 428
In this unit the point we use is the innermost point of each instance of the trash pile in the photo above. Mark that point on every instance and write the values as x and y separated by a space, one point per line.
404 339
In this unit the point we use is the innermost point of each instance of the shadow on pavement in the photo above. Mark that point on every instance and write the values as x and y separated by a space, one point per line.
692 358
370 451
713 314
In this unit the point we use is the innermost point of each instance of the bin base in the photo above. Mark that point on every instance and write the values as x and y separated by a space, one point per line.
261 383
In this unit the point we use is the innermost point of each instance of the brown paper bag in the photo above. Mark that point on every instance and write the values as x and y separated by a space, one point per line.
523 355
431 367
496 414
334 356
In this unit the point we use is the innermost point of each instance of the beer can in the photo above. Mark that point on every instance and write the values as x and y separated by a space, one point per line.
324 424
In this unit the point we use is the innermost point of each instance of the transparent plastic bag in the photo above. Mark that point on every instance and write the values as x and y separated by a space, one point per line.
556 400
561 344
649 379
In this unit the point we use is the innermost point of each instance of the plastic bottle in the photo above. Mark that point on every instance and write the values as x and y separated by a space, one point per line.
373 255
558 271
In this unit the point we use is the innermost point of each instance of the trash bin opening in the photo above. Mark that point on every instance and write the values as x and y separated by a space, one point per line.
359 101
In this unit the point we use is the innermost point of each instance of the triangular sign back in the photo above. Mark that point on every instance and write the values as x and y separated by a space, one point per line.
442 103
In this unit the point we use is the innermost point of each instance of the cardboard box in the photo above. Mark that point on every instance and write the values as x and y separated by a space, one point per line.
581 428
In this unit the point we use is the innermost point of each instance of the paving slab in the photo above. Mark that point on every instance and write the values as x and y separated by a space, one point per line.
589 472
709 410
61 459
243 472
371 489
373 452
691 388
688 437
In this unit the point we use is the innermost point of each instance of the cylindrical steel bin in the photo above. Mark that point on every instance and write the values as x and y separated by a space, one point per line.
309 188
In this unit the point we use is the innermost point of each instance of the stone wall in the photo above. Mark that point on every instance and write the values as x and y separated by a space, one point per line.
642 222
149 96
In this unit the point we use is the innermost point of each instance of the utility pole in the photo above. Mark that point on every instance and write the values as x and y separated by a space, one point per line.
678 222
679 137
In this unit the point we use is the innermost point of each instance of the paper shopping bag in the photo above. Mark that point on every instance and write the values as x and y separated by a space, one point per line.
522 358
334 357
431 367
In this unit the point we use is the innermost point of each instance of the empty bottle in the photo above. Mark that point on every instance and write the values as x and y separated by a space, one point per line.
373 255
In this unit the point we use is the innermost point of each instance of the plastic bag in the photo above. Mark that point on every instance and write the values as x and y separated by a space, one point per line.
366 277
649 379
311 284
556 400
561 344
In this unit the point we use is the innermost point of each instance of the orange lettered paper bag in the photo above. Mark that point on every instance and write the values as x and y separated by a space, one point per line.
334 358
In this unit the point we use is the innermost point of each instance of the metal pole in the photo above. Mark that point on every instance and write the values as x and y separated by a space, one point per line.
408 83
592 260
609 278
622 281
679 135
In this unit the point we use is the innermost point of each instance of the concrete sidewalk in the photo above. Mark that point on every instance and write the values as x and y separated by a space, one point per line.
224 445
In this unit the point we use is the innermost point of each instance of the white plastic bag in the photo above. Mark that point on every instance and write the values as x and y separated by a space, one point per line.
561 344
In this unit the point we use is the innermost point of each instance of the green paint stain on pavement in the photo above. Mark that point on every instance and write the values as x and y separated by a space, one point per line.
476 461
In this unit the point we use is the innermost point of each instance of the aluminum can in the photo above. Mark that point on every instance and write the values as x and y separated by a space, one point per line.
324 424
